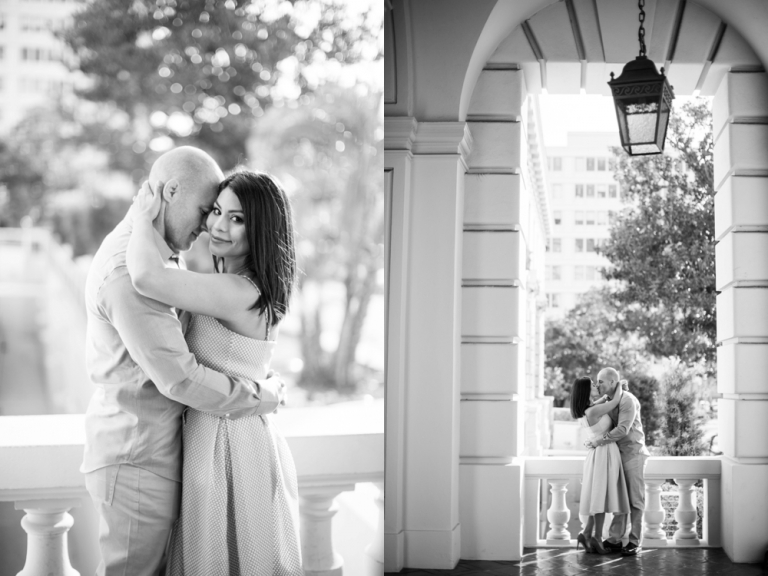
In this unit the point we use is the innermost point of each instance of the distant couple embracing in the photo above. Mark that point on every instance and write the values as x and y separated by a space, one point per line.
615 465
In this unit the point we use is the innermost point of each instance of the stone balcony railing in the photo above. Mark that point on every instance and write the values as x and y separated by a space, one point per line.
40 457
557 471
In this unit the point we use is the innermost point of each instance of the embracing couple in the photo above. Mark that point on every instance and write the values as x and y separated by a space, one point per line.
615 465
179 357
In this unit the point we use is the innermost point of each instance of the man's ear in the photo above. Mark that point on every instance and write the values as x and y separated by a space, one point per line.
171 190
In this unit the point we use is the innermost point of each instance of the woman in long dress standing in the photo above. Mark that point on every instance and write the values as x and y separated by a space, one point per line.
239 509
603 487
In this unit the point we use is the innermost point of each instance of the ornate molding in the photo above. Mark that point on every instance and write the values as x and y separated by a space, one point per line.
405 133
443 138
399 132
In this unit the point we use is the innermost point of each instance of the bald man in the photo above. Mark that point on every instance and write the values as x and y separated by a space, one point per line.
145 375
628 435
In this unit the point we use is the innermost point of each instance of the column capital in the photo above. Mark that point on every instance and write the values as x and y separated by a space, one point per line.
399 132
443 138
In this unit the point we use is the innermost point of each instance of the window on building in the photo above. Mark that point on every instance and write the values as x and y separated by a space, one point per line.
555 163
590 164
579 245
553 300
611 216
590 220
557 191
590 244
589 273
602 190
578 273
557 244
579 190
601 164
581 164
612 191
556 272
602 218
557 216
590 190
578 217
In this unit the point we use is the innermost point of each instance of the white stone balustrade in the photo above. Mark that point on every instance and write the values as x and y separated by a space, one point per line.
686 471
40 458
685 514
654 514
46 523
558 514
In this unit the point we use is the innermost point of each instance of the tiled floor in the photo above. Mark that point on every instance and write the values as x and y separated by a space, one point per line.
569 562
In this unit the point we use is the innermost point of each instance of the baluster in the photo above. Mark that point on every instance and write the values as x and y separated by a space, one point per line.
685 514
46 523
317 508
653 517
558 514
375 549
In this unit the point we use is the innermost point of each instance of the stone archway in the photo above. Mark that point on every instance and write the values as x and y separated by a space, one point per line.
468 261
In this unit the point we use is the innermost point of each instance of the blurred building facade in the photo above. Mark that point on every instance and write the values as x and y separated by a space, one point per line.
33 61
584 198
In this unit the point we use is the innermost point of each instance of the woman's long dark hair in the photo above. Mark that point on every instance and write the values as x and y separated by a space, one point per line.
269 229
580 393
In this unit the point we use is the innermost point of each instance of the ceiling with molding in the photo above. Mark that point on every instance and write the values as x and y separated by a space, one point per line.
572 46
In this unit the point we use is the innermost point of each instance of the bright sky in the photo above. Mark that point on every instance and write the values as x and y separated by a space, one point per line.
563 113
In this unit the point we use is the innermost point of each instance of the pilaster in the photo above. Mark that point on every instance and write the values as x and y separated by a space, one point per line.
431 360
741 226
493 322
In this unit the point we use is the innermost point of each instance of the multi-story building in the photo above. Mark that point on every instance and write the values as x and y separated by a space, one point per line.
584 197
32 58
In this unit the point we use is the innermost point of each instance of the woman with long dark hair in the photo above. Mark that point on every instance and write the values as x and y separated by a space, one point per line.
239 509
603 487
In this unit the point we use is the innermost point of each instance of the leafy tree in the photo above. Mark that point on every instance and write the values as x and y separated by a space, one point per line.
647 390
680 432
586 340
200 72
21 185
661 248
329 152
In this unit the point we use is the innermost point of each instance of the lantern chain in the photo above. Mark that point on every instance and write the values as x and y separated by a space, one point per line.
641 32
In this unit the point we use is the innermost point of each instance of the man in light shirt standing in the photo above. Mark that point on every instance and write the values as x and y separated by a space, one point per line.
629 437
145 375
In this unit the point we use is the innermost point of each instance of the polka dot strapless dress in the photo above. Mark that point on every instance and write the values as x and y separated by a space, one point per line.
239 508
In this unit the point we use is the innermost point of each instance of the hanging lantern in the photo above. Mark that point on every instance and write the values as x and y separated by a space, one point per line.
643 100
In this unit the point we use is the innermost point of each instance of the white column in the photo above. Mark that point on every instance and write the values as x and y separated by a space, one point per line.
558 514
653 518
46 523
430 466
685 514
399 135
740 127
317 509
493 345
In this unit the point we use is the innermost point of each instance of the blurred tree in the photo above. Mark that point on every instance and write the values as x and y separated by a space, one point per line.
681 431
587 339
21 185
329 153
662 248
647 390
200 72
556 386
